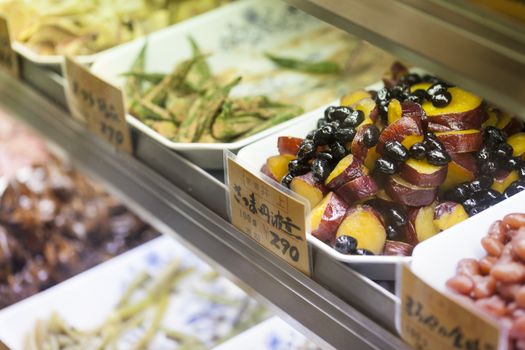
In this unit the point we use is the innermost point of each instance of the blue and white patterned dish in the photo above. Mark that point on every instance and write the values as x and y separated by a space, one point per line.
87 299
272 334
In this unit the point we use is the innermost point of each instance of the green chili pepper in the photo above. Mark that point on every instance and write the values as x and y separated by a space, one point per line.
319 67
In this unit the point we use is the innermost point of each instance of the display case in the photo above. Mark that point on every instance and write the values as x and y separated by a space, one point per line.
340 306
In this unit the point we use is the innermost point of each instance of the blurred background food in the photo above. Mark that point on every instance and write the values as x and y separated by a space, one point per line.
54 221
76 27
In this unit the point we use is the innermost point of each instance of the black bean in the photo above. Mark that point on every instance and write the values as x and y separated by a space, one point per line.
418 96
324 135
483 154
488 167
370 136
490 196
338 150
510 163
310 135
494 136
320 169
296 167
396 217
412 79
386 166
441 99
460 193
363 252
393 234
344 135
503 150
414 98
521 170
475 186
418 151
321 122
287 179
396 151
307 150
438 157
345 244
470 203
431 142
398 91
383 94
485 181
337 113
354 119
436 88
431 79
325 156
477 210
515 187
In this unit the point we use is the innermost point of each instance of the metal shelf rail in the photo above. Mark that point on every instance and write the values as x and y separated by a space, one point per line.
189 203
470 47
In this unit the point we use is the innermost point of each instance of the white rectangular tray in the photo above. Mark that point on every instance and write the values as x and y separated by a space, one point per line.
255 155
236 36
458 242
86 300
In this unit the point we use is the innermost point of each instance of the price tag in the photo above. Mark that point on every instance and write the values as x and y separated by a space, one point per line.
8 57
99 104
273 218
429 320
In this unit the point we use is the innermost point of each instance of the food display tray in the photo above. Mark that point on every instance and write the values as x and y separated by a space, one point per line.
236 36
255 155
459 242
87 299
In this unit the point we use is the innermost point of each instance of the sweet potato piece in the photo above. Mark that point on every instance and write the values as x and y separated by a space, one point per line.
326 217
288 145
421 173
354 97
361 188
503 179
408 194
421 224
364 224
277 166
396 248
461 169
448 214
347 169
405 130
306 186
461 141
517 141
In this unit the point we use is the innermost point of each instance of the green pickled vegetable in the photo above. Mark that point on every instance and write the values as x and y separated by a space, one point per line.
319 67
190 105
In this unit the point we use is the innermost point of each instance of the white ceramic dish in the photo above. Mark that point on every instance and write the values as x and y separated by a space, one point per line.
86 299
458 242
236 36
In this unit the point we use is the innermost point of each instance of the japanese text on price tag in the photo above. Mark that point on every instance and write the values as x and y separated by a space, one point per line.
271 217
99 103
8 59
429 320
